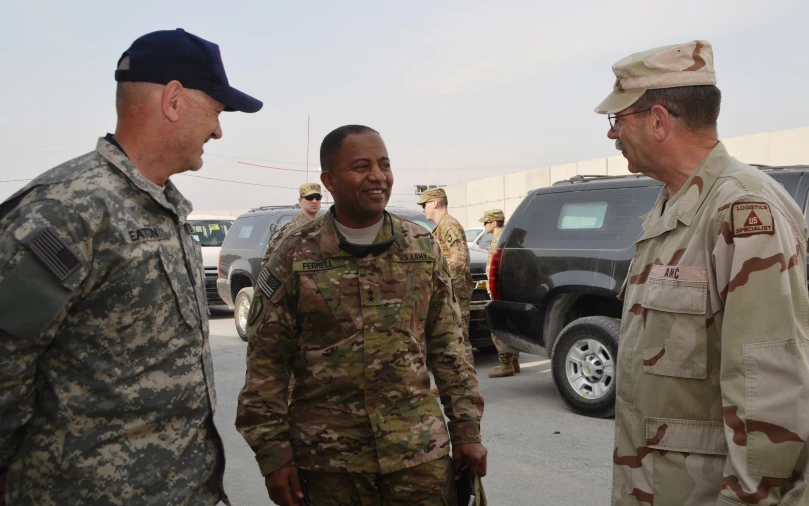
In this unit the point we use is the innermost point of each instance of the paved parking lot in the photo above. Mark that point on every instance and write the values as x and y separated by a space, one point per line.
539 452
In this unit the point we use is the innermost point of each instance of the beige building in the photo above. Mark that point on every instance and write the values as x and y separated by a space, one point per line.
468 201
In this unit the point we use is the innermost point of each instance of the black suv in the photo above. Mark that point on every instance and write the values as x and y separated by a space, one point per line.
246 243
558 268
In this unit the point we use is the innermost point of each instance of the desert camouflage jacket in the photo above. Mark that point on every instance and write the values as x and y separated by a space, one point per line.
358 334
106 379
713 366
451 238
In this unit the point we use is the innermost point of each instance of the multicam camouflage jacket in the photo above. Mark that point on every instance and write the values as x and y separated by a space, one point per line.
358 334
451 238
297 221
106 379
713 366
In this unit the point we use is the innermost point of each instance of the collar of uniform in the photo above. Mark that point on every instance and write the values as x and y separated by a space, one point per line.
330 242
439 222
683 206
168 196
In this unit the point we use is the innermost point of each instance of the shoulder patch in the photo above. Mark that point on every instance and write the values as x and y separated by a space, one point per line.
267 282
53 253
751 218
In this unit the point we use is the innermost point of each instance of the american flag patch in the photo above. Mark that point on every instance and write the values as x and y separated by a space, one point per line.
53 253
267 282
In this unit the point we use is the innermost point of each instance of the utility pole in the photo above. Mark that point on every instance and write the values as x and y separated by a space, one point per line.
307 148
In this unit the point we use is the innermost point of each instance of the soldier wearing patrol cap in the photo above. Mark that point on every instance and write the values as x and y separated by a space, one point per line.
106 380
712 405
450 236
309 200
357 303
493 221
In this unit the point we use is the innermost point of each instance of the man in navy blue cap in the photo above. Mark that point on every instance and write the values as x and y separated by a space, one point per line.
106 380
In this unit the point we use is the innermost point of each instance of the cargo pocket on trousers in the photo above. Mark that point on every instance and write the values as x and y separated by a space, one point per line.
675 343
175 269
686 451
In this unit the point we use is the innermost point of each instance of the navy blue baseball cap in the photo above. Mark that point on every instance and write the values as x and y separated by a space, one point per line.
168 55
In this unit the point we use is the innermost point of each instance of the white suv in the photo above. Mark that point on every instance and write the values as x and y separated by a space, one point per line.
210 232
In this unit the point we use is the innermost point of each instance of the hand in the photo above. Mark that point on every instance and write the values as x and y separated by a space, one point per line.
473 454
284 486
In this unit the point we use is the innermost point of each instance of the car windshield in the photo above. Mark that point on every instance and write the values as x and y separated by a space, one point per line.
210 232
472 233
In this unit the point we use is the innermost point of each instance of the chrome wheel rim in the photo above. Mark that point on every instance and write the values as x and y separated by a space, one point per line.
590 369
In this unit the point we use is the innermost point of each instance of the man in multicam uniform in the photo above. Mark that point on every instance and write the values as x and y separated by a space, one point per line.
357 303
493 221
309 200
712 399
106 380
451 238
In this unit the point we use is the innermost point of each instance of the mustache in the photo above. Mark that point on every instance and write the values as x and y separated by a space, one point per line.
619 145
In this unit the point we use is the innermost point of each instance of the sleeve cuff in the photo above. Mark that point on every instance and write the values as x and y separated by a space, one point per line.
467 431
274 459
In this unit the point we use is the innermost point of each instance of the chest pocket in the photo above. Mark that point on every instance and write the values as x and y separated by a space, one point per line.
675 341
325 291
174 266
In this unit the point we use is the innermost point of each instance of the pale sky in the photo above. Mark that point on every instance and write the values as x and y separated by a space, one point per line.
459 90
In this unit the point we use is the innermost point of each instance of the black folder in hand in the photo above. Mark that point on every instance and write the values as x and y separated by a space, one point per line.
465 487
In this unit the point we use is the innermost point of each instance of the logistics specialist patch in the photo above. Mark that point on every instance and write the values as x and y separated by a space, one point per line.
53 253
268 283
751 218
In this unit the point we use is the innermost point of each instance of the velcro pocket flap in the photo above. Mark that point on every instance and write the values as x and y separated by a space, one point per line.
689 436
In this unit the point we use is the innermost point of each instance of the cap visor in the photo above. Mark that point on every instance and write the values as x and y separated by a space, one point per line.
617 102
235 100
482 220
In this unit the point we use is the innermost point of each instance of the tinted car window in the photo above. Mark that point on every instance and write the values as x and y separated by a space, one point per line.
247 231
606 219
471 233
417 217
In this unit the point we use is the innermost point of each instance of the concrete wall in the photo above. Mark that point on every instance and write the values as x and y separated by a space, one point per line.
218 212
468 201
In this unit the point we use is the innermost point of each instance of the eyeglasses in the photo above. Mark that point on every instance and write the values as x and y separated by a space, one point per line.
613 118
487 222
313 197
424 205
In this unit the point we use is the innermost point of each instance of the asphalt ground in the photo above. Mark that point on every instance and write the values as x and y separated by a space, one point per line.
540 453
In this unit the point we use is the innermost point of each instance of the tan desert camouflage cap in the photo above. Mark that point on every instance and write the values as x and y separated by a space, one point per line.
432 194
689 64
309 189
493 215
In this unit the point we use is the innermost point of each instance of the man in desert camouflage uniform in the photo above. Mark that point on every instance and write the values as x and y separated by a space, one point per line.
106 380
493 221
451 238
712 405
356 304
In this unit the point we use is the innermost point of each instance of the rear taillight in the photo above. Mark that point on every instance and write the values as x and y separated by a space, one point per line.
494 273
218 264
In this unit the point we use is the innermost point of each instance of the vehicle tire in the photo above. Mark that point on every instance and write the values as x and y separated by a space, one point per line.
584 364
241 307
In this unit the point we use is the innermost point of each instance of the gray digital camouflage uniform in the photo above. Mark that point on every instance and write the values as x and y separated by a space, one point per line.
358 333
712 398
106 380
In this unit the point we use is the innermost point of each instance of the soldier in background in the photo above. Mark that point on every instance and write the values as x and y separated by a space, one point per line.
310 201
451 238
357 303
106 380
493 221
712 406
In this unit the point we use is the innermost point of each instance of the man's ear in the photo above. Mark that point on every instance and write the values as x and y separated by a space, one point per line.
327 178
661 121
172 99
